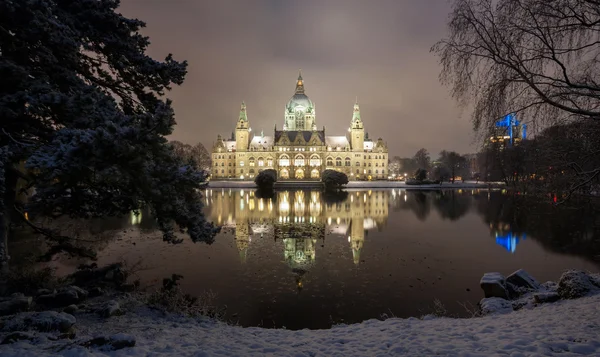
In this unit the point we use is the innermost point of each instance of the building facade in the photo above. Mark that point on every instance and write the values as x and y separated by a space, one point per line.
299 151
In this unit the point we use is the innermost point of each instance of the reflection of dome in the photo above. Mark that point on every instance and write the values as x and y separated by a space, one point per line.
299 100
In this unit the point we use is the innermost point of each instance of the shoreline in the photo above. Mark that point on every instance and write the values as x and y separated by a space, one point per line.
548 319
373 184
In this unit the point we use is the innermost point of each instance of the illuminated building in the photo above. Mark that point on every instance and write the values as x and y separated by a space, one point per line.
508 131
300 151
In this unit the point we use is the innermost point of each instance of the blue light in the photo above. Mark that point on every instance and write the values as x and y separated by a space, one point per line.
509 241
510 121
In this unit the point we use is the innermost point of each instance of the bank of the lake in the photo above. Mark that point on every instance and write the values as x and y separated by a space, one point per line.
567 327
374 184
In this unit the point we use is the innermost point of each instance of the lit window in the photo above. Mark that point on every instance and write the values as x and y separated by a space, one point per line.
357 163
269 162
251 162
261 162
299 161
315 161
284 161
241 163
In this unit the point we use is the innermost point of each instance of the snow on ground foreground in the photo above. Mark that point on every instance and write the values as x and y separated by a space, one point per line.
565 328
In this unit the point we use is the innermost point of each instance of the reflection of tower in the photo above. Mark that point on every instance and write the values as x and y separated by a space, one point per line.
357 238
509 240
299 252
242 237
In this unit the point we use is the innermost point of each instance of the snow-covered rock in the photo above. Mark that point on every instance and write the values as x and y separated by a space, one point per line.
494 285
544 297
65 297
494 306
12 305
522 279
115 342
575 284
111 308
17 336
40 321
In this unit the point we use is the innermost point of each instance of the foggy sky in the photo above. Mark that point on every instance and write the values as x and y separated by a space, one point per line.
251 50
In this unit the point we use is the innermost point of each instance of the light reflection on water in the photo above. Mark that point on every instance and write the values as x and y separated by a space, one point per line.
308 259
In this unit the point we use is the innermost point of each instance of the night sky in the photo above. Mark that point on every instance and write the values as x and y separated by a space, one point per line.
251 50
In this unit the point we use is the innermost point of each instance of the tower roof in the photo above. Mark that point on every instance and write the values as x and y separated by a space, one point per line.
356 113
300 83
243 114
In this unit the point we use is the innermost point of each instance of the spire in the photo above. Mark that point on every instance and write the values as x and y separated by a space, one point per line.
243 115
356 114
300 83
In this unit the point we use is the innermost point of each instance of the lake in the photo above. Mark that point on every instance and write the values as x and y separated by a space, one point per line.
302 259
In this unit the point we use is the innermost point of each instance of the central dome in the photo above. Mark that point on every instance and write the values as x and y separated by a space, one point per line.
299 100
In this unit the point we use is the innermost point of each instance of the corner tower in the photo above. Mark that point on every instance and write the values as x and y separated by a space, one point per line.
299 111
242 130
357 130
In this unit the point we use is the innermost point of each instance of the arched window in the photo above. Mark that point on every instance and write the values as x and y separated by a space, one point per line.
222 171
338 161
347 161
357 171
269 162
284 160
261 162
251 171
299 160
251 162
357 163
229 164
329 161
222 164
369 164
376 171
315 160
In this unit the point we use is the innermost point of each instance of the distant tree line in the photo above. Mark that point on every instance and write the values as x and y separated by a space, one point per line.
197 154
449 166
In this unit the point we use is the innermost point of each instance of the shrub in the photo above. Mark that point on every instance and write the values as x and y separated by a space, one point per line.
420 174
333 179
266 178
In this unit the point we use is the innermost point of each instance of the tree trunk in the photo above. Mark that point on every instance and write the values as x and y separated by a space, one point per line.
5 217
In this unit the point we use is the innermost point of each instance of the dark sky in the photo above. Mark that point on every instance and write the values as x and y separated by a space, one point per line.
251 50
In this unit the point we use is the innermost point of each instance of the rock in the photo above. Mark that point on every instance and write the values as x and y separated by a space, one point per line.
45 321
495 306
574 284
114 342
117 275
65 297
522 279
494 285
71 309
111 308
17 336
96 292
121 340
544 297
128 287
44 292
14 305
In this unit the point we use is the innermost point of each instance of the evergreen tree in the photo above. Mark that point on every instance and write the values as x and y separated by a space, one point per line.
84 120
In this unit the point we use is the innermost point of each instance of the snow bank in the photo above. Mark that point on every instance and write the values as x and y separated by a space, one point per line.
567 328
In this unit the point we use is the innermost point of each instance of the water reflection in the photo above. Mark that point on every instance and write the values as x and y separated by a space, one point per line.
307 259
300 219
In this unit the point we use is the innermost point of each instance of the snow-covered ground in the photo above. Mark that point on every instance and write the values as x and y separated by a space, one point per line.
372 184
564 328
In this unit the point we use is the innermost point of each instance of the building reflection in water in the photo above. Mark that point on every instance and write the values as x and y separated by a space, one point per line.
299 219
